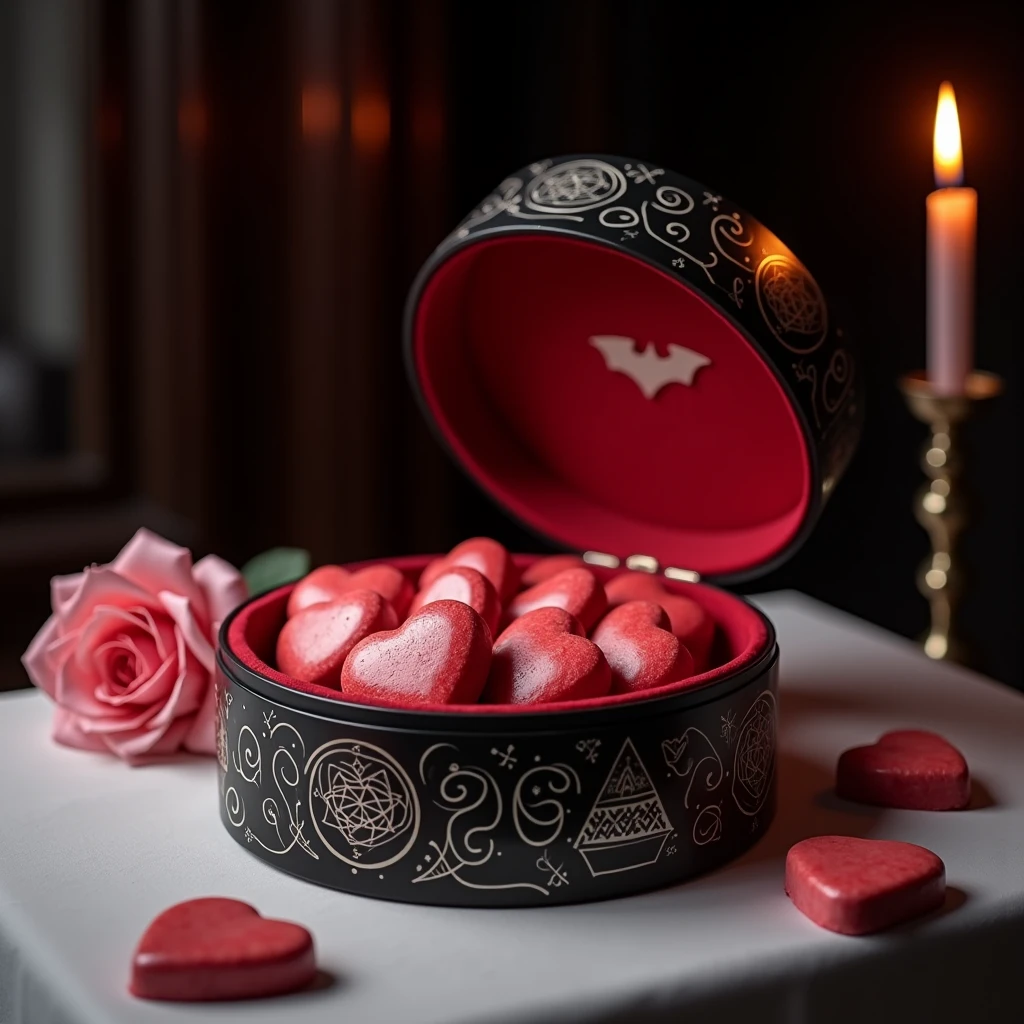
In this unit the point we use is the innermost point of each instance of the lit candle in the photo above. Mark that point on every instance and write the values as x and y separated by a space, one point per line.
952 226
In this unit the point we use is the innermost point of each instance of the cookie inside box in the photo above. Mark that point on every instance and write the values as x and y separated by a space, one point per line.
740 638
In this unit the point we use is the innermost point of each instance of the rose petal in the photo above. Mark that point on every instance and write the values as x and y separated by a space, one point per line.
45 654
66 731
224 586
154 690
198 643
105 587
189 688
136 748
63 590
119 720
106 623
156 564
162 633
202 736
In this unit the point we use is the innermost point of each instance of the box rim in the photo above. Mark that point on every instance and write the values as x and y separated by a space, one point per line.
402 719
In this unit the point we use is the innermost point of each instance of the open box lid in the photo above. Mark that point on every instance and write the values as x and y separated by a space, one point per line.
635 367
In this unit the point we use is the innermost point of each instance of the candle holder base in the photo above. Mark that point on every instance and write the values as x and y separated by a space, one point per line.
942 505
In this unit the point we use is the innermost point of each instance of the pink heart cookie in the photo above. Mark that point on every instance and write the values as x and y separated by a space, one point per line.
576 591
214 948
460 583
910 769
487 556
858 886
314 643
332 581
689 621
440 655
543 657
640 648
544 568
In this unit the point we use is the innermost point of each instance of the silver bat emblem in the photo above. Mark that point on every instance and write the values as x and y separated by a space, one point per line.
649 371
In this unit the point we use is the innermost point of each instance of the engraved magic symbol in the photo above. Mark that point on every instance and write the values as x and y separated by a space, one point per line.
647 369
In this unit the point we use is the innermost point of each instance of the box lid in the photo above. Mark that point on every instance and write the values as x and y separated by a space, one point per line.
635 367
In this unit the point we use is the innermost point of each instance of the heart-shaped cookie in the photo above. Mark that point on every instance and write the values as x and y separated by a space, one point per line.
543 657
576 591
330 582
544 568
857 886
314 643
317 587
487 556
440 655
217 948
909 769
460 583
640 647
689 621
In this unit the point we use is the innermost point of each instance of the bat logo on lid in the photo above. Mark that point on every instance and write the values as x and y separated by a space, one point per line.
647 369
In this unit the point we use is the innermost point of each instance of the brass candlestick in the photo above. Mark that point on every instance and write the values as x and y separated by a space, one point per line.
942 507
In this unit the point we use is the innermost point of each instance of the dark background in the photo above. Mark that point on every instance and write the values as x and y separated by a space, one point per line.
263 181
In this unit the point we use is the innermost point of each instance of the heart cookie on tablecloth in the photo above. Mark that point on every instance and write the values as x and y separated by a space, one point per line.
214 948
858 886
909 769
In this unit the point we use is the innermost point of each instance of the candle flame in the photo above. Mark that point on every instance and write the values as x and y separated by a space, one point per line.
947 153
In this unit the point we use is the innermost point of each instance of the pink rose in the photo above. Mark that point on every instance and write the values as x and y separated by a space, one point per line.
128 654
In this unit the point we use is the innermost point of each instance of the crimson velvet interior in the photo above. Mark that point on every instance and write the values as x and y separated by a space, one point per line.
712 477
741 638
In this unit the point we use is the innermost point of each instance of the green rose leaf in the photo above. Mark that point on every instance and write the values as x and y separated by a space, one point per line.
275 568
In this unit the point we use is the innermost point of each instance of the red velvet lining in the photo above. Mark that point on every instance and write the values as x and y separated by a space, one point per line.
741 638
712 477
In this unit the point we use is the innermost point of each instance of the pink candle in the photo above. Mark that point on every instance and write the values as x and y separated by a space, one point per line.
952 227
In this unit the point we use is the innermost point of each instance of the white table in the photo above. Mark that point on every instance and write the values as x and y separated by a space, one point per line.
90 850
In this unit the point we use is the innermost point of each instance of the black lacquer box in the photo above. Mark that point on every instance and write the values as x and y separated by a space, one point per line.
639 371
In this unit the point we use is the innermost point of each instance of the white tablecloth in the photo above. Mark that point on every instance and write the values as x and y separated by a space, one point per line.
91 850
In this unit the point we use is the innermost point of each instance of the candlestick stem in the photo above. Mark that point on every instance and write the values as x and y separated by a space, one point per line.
942 505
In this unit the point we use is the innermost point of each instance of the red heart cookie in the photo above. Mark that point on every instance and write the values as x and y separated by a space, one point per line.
545 568
640 648
441 655
485 555
460 583
577 591
689 621
330 582
857 886
314 643
220 949
544 656
909 769
323 584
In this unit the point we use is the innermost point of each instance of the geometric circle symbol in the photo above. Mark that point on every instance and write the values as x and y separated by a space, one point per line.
362 800
754 759
578 185
791 303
